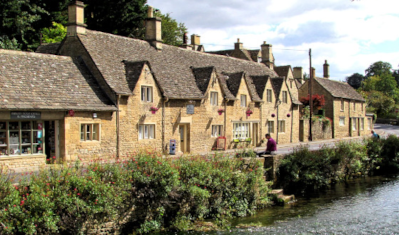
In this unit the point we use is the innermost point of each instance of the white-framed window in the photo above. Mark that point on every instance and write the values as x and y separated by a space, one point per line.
354 124
146 131
243 100
342 121
342 105
370 123
284 96
214 98
146 93
241 130
354 106
89 132
217 130
281 126
269 95
361 124
270 126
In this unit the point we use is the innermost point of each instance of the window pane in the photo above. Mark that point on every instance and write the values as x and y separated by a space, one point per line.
149 94
152 131
141 132
88 127
95 132
145 132
143 93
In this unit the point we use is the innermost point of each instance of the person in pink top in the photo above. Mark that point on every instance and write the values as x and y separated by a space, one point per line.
271 146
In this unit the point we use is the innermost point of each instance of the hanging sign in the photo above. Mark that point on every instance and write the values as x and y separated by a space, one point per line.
25 115
190 109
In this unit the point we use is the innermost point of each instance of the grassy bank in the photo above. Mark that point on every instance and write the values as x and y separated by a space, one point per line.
305 171
144 193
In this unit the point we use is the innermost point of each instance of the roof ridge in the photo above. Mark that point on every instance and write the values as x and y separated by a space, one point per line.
39 55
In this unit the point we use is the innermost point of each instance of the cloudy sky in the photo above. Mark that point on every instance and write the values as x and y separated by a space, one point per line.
351 35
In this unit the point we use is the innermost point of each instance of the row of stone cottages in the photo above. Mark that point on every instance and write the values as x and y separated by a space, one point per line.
103 95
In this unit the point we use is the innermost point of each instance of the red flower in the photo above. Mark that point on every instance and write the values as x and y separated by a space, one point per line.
78 194
75 189
15 205
48 184
53 157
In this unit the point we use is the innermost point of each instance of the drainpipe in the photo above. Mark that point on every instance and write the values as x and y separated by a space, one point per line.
260 121
117 127
350 119
278 104
166 99
333 119
292 120
225 118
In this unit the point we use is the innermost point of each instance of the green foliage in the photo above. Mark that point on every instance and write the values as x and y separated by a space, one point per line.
10 44
172 31
380 103
54 34
143 194
355 80
378 68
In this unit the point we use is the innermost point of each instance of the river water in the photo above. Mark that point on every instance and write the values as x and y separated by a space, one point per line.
363 206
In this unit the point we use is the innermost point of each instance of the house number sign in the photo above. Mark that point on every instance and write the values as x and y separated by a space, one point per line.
190 109
26 115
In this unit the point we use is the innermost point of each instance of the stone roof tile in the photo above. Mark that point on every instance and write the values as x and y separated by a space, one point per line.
339 89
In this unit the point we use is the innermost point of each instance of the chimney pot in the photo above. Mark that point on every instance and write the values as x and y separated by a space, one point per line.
326 69
298 74
153 29
313 72
150 12
267 55
238 45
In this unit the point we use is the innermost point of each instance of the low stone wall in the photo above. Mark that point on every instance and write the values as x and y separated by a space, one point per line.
387 121
29 161
320 131
271 163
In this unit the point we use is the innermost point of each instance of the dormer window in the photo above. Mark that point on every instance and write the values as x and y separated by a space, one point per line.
146 93
269 95
243 100
285 97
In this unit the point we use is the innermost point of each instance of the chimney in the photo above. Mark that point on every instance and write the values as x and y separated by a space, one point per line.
238 45
326 70
313 72
153 33
267 55
185 45
76 23
195 41
298 74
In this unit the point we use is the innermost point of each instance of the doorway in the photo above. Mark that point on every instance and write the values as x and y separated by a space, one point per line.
51 139
184 140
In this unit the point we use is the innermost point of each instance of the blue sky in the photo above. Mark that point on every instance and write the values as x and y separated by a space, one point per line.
351 35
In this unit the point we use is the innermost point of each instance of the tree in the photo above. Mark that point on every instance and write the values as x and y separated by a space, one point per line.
10 44
121 17
378 68
172 31
355 80
380 103
54 34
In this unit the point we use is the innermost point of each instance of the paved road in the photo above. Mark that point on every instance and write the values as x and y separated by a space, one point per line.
388 129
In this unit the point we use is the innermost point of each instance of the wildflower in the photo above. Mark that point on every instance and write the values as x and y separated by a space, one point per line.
75 189
53 157
78 194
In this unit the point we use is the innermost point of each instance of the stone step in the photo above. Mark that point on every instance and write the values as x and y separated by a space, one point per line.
285 199
276 192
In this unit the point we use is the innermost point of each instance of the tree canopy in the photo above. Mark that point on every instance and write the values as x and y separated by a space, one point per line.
378 68
355 80
23 21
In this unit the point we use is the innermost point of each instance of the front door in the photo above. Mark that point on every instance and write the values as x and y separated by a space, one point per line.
183 138
51 139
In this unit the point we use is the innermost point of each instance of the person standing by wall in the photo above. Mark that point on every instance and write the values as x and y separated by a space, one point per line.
271 146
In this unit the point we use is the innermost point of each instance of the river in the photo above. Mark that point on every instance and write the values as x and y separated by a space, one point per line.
363 206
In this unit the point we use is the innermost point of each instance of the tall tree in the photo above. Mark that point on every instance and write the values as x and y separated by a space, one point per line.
122 17
172 31
355 80
10 44
378 68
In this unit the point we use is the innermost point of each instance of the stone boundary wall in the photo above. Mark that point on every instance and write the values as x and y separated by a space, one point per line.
387 121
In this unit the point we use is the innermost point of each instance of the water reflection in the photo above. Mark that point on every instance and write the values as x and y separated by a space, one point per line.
363 206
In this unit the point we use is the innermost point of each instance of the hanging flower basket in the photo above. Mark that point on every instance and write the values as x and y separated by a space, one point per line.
154 109
273 115
288 115
249 112
220 111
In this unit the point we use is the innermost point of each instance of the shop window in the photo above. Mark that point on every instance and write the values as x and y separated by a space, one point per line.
270 126
217 130
214 98
342 121
21 137
146 93
243 100
146 131
89 132
281 126
241 130
285 97
269 95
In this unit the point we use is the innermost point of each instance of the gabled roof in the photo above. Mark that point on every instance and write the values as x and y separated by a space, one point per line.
260 84
282 71
223 85
254 55
171 66
50 48
234 81
33 81
133 72
298 84
202 77
339 89
277 83
252 89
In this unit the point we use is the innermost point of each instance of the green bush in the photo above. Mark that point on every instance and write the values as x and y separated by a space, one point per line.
143 194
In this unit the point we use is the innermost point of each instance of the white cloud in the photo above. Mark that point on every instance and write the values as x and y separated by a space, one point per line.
349 34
